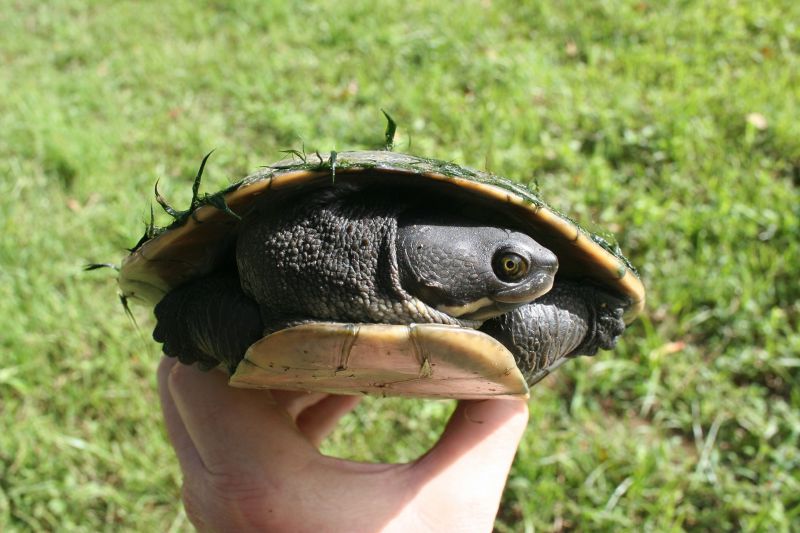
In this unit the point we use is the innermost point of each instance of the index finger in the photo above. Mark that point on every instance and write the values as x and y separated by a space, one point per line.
234 430
181 441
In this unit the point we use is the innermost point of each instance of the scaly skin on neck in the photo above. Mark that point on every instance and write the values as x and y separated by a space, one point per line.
331 257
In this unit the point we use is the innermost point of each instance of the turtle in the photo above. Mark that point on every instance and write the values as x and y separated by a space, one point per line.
382 273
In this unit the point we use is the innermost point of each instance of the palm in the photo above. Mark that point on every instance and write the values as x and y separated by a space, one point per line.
251 461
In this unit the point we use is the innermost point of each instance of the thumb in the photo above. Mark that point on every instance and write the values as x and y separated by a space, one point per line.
471 461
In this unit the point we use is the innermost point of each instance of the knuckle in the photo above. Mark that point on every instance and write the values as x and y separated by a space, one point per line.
224 502
249 504
233 485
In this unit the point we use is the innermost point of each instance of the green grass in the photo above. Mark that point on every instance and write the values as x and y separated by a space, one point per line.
672 124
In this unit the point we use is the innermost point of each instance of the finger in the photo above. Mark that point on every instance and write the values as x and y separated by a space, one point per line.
481 434
475 452
181 441
317 421
295 402
235 430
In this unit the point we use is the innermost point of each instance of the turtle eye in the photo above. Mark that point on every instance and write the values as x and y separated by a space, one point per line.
509 266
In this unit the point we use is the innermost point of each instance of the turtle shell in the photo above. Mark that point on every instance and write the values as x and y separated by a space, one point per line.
200 239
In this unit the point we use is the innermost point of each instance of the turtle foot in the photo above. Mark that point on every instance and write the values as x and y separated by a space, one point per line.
572 319
209 321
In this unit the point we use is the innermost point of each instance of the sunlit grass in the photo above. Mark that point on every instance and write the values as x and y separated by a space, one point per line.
673 125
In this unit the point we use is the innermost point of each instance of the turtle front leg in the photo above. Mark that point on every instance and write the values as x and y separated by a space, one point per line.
209 321
570 320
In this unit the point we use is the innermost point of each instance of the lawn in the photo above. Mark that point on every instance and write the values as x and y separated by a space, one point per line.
672 125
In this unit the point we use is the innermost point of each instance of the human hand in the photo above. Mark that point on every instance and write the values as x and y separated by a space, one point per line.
250 461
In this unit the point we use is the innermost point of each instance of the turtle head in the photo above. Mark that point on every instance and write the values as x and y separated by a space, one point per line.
468 270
